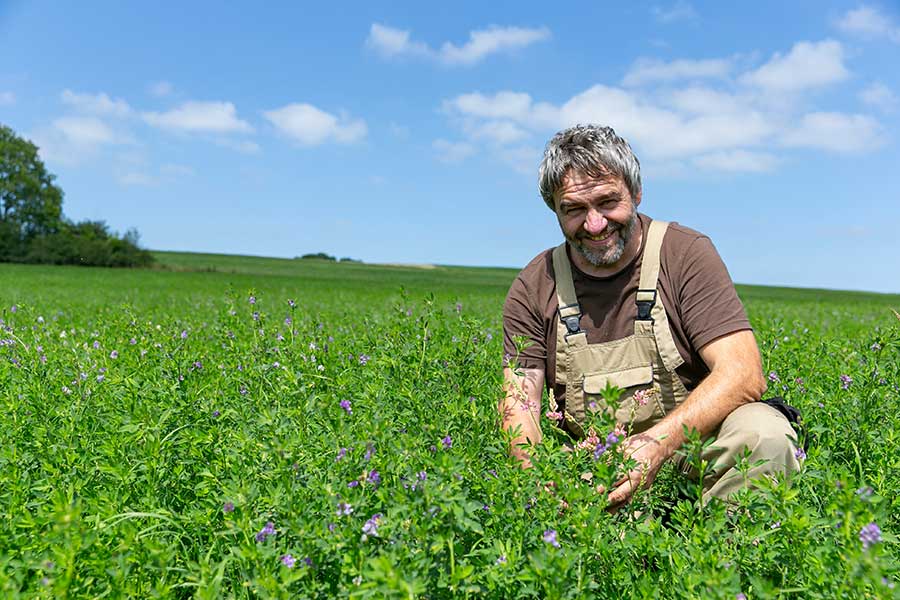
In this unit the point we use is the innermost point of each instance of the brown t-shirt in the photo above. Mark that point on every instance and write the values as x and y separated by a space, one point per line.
696 291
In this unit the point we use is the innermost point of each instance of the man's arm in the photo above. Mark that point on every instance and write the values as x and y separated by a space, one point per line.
521 407
735 378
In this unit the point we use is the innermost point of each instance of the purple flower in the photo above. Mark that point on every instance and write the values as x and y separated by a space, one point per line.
100 378
344 509
291 303
374 478
341 454
353 484
345 404
501 560
288 561
96 345
370 450
184 334
421 475
869 535
252 299
132 341
550 538
13 308
447 442
740 596
846 380
114 354
265 532
363 359
800 454
773 377
612 439
228 507
256 315
371 526
865 492
459 307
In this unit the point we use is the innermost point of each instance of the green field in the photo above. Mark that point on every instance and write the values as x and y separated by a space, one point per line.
156 421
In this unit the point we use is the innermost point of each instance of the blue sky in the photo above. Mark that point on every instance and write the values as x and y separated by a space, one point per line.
410 132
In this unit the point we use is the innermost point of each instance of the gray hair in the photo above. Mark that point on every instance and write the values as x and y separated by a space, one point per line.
593 150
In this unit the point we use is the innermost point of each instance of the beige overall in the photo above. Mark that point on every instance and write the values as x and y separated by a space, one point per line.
644 365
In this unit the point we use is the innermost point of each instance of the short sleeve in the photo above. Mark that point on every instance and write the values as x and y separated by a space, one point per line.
709 304
521 319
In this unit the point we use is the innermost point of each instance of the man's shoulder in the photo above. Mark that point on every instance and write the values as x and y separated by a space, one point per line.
679 235
538 270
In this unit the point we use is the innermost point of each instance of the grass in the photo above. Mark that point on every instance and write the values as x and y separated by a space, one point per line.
155 421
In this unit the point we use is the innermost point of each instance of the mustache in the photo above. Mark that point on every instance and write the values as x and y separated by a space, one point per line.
610 228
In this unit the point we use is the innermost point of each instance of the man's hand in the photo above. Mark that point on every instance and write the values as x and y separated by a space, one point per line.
735 379
650 455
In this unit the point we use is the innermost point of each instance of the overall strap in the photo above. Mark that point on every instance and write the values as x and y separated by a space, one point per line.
569 309
650 306
568 328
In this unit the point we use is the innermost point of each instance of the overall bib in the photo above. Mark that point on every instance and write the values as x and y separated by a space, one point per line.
642 364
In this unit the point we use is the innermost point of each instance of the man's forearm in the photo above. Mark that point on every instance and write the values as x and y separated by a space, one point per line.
520 409
705 408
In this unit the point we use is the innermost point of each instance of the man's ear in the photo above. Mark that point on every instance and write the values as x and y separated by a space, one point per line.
637 199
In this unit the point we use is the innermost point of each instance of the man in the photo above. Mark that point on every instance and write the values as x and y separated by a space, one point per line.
643 305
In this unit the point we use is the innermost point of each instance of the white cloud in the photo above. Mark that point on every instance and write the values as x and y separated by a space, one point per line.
73 140
85 131
7 98
511 105
310 126
880 96
200 117
649 71
662 132
807 65
836 132
869 22
390 42
702 100
161 89
451 152
680 11
737 161
498 132
741 122
99 104
489 41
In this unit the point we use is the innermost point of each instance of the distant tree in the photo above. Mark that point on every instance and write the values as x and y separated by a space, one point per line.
32 225
319 256
30 203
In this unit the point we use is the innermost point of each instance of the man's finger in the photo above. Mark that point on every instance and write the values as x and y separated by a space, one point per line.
620 495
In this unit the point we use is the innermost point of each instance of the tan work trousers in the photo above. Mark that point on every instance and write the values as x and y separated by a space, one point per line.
757 427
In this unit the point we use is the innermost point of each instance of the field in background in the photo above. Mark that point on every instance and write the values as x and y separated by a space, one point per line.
156 421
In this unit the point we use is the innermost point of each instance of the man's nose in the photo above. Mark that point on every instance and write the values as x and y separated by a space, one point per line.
594 222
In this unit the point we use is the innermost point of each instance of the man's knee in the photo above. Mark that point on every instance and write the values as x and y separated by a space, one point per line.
767 434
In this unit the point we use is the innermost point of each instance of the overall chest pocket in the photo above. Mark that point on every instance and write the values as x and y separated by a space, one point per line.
639 403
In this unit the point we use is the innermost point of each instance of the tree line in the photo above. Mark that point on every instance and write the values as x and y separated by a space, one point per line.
33 228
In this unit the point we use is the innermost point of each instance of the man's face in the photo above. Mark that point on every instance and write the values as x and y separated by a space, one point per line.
598 217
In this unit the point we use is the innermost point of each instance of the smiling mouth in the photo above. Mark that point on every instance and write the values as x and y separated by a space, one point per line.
599 238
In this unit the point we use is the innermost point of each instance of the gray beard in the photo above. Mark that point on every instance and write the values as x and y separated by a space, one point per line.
611 256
